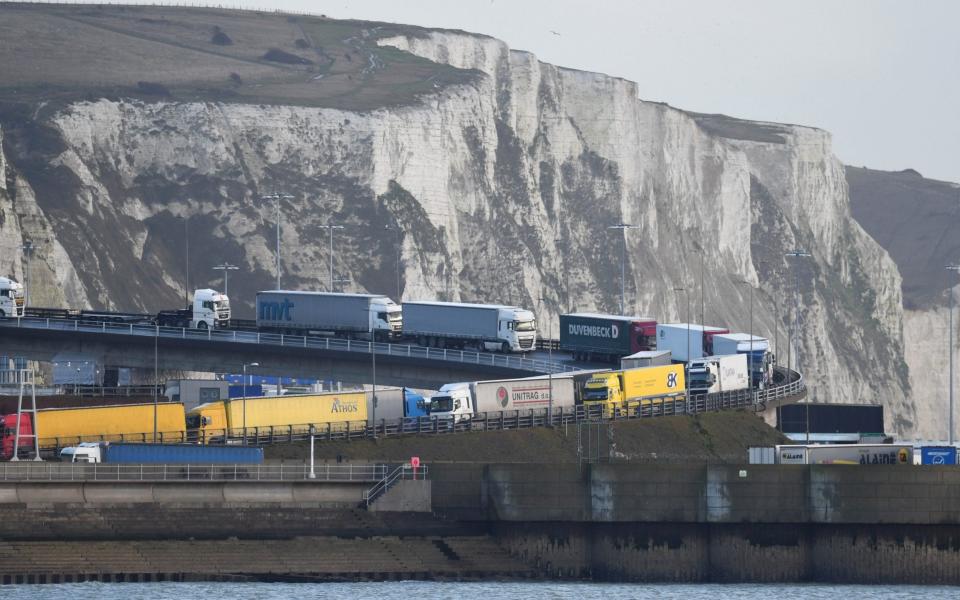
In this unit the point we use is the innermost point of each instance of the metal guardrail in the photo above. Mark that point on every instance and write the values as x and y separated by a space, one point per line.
29 471
402 472
291 341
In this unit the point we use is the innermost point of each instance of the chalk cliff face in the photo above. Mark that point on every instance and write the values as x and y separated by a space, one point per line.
500 189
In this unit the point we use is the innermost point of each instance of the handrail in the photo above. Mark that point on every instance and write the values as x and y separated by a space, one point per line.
30 471
405 471
519 363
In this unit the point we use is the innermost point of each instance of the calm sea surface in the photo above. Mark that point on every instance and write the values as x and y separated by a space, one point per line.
465 591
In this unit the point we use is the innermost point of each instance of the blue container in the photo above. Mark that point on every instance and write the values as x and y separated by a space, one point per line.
181 454
938 455
253 391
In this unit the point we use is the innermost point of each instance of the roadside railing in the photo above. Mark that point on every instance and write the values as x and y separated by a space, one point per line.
39 471
519 363
400 473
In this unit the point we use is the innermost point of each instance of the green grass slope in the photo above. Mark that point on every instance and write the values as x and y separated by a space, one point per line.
195 54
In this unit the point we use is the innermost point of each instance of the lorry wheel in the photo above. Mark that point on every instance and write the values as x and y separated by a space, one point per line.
2 314
505 347
481 347
202 325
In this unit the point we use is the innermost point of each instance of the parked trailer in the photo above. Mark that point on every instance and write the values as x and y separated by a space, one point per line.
170 454
395 403
674 337
345 315
476 326
755 347
845 454
713 374
337 410
646 358
65 426
590 336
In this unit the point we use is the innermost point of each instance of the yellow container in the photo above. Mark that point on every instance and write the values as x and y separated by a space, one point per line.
653 382
335 411
127 422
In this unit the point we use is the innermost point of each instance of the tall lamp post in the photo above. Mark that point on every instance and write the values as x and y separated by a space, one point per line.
244 400
797 254
373 360
623 260
331 227
277 197
955 269
399 252
750 362
27 248
226 268
686 379
550 370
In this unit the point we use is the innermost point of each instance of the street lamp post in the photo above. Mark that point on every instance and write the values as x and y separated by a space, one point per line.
373 360
226 268
550 370
623 260
399 252
750 361
955 269
312 474
27 248
277 197
796 324
331 227
686 379
244 400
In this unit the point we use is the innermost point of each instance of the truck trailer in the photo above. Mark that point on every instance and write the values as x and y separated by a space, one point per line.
11 298
622 392
590 336
480 327
394 403
462 401
714 374
845 454
674 337
646 358
59 427
755 347
165 454
333 314
227 419
210 310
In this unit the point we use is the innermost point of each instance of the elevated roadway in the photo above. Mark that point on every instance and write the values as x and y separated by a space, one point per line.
144 346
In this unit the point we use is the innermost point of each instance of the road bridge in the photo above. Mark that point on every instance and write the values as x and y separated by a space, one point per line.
143 346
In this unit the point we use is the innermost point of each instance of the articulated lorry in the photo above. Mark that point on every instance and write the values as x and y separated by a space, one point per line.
713 374
59 427
674 337
164 454
210 310
343 315
11 298
756 348
226 419
608 338
625 392
461 401
479 327
845 454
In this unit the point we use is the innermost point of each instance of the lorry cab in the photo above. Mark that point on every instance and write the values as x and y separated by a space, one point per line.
210 309
9 423
453 402
207 421
84 452
518 330
603 392
701 376
386 318
11 298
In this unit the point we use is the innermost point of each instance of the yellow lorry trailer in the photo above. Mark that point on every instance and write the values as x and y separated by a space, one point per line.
628 391
59 427
278 414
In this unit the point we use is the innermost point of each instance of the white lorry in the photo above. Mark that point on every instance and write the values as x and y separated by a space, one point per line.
476 326
326 313
461 401
845 454
714 374
210 310
11 298
758 348
678 338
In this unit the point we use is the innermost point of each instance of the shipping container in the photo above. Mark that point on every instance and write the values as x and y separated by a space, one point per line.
336 410
131 422
525 394
394 403
328 313
590 336
474 326
845 454
646 358
107 452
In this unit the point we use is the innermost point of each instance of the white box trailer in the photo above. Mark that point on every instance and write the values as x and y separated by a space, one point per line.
474 326
714 374
845 454
673 337
761 363
352 315
646 358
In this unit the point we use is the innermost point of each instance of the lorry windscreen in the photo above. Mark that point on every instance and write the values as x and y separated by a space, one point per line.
441 404
524 325
595 394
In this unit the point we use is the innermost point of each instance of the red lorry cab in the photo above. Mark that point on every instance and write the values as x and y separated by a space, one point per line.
10 431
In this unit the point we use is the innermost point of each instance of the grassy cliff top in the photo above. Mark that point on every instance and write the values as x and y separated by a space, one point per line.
72 52
714 437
